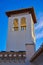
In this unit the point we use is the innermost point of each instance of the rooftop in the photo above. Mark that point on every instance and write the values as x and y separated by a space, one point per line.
27 10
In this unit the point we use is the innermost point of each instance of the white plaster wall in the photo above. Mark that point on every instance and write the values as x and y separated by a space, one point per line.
32 30
16 40
12 63
30 50
15 63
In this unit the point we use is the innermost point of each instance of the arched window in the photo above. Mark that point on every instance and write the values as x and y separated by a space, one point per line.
23 23
15 24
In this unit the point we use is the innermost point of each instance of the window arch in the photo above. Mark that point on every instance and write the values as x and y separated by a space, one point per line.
15 24
23 23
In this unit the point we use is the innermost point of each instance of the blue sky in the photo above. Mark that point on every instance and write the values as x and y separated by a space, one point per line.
7 5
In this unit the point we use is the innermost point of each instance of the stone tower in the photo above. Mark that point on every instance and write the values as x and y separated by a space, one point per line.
21 31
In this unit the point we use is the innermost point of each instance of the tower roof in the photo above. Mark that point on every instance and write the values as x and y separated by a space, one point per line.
27 10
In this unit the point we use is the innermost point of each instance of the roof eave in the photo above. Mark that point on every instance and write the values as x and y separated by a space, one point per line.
29 10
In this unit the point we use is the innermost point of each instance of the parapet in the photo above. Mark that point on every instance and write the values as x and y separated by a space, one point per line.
12 56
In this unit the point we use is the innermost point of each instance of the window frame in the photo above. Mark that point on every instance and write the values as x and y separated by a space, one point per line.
15 24
23 27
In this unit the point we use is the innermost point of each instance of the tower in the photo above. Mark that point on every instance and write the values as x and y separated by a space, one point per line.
21 31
